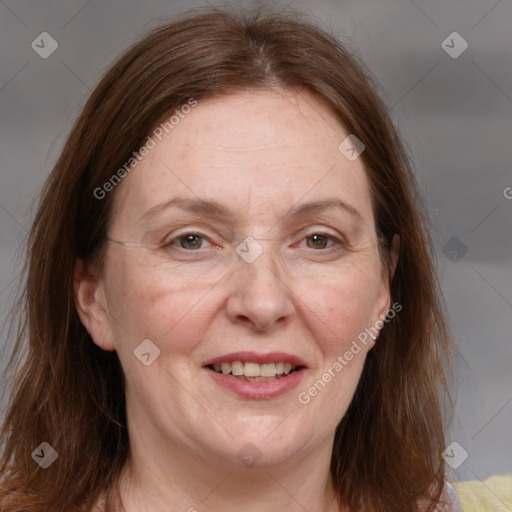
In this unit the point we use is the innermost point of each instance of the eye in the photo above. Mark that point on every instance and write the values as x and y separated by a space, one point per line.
319 240
187 241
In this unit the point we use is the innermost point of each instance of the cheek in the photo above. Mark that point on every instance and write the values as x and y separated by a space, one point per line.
338 314
144 305
340 310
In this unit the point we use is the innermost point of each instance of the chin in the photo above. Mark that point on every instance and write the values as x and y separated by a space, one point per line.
264 448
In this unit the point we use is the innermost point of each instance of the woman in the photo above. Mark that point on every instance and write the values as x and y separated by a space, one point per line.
230 297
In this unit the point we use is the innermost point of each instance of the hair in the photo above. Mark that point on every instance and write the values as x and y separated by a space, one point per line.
70 393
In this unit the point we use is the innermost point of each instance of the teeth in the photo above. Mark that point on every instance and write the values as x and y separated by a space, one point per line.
268 370
250 370
254 370
237 368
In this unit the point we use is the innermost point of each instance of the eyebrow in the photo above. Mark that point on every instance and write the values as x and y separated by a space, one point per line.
212 208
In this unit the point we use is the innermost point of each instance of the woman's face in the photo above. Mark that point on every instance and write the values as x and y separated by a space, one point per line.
290 294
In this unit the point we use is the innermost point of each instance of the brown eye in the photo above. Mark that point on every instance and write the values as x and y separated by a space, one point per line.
190 241
318 240
186 241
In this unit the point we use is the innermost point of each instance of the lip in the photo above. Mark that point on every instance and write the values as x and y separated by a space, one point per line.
257 390
254 357
263 389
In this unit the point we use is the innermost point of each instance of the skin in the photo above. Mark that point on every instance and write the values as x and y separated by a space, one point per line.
260 153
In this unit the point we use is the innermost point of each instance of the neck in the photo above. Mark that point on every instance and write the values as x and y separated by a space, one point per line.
179 478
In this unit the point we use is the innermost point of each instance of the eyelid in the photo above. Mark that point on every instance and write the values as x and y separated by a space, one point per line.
321 230
339 242
194 225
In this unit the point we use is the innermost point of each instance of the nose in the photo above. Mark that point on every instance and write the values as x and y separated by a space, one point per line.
260 294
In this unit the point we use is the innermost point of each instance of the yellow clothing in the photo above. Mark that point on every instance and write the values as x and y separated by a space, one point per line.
491 495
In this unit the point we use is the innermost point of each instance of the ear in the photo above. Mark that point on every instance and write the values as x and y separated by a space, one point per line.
395 253
383 301
90 304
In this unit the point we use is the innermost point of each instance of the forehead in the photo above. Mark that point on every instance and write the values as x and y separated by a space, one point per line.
258 152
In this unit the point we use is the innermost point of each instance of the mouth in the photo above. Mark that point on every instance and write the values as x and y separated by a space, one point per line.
250 371
257 376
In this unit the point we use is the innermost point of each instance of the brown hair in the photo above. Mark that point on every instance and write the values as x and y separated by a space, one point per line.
70 393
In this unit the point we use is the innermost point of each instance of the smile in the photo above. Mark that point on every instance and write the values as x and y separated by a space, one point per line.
257 376
255 372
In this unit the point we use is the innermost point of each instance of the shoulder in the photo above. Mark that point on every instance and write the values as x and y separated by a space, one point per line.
491 495
449 500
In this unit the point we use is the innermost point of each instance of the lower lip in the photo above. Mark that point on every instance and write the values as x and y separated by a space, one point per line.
258 390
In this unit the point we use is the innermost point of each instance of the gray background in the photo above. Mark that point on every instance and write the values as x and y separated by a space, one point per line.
455 115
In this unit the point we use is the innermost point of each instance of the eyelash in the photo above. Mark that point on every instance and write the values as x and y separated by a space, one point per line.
339 242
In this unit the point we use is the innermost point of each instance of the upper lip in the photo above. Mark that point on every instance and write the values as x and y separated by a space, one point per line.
254 357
